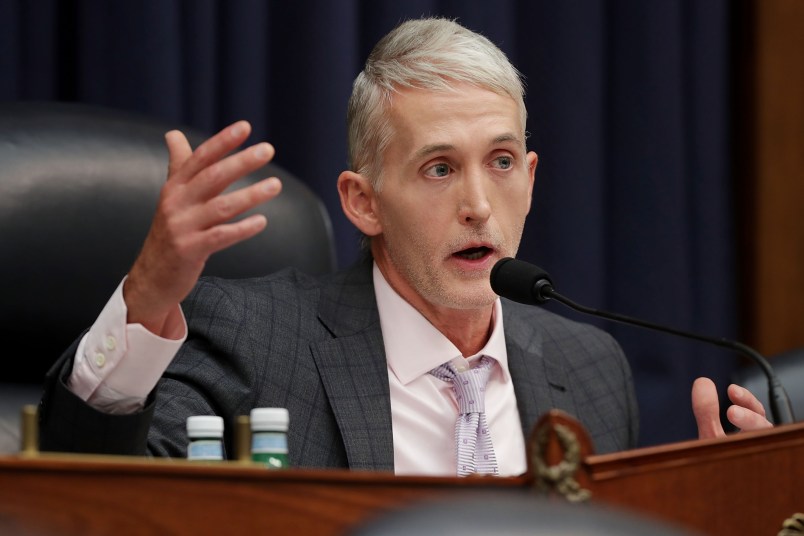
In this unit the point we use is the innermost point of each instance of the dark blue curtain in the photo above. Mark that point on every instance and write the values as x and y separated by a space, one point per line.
628 106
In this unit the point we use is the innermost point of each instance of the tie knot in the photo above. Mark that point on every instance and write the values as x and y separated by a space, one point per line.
469 385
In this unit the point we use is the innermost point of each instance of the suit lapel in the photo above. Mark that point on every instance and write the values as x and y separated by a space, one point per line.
540 380
354 371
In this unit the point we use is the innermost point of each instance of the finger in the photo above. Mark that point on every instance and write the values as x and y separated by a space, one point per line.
222 236
218 176
706 408
179 151
223 208
741 396
745 419
214 149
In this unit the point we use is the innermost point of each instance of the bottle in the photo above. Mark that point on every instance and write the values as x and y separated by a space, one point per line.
206 437
269 438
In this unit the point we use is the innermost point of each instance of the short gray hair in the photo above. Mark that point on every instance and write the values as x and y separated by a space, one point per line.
430 53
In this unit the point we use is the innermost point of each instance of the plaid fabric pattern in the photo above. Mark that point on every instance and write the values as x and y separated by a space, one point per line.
314 345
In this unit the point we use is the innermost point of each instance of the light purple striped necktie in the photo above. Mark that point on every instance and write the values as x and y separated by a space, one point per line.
474 450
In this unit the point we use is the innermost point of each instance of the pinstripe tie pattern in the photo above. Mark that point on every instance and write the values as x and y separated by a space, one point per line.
474 450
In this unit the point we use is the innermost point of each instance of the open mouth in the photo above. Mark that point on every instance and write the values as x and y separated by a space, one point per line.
473 254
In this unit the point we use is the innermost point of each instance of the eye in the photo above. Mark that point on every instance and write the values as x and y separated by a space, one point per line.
437 170
503 162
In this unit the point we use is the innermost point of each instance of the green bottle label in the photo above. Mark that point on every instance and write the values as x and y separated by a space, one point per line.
270 449
271 460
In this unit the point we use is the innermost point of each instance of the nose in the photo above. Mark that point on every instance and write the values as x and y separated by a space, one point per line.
474 205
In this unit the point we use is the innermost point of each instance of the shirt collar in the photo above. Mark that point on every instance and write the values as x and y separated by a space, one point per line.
413 346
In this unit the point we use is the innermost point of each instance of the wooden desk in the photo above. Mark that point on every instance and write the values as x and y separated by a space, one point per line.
746 484
76 495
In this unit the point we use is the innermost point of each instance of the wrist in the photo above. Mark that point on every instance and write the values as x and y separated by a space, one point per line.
161 320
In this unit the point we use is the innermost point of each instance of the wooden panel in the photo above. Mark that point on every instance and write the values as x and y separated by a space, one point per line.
771 57
744 484
92 496
748 483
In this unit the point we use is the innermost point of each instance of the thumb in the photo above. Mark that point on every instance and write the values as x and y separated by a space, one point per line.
706 408
179 151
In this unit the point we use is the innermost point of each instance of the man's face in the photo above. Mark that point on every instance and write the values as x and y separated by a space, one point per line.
456 189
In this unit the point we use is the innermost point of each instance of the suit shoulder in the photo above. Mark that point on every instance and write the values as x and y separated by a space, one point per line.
287 285
598 379
577 345
552 326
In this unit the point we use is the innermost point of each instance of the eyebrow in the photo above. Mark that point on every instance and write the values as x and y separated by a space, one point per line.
438 147
506 137
433 148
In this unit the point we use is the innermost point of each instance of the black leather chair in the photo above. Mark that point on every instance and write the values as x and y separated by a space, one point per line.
78 188
789 368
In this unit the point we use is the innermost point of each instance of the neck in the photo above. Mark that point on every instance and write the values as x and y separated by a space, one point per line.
468 330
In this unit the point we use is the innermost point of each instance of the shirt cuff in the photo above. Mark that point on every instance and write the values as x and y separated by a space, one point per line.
118 364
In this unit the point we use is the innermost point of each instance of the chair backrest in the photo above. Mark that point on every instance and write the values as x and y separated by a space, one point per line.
78 188
789 368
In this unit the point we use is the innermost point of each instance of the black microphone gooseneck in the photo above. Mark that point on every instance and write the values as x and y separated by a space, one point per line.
526 283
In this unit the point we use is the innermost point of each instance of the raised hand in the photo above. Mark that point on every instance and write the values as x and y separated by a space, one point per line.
193 220
746 412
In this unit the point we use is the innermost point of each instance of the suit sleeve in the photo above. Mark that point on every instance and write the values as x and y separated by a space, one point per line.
68 424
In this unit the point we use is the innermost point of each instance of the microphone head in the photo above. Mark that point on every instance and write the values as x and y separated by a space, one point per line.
519 281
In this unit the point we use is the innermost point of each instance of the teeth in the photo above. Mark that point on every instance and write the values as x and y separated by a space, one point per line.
474 255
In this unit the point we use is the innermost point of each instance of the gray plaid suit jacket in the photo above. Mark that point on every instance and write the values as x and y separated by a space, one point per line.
314 346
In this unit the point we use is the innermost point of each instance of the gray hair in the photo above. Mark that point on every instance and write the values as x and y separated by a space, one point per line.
428 54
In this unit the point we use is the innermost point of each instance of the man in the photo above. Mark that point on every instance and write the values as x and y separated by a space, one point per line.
440 183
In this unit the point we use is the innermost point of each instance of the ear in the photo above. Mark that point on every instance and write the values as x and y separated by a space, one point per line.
359 202
532 159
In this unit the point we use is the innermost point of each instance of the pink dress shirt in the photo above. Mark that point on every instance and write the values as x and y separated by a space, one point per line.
423 408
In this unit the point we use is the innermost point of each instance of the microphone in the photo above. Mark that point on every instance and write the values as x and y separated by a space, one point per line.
526 283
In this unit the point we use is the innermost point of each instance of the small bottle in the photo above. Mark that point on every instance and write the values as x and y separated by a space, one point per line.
206 437
269 437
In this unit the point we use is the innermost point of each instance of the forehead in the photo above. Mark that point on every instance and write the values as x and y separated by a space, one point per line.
459 114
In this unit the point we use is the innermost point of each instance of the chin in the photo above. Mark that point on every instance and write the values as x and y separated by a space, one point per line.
467 297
